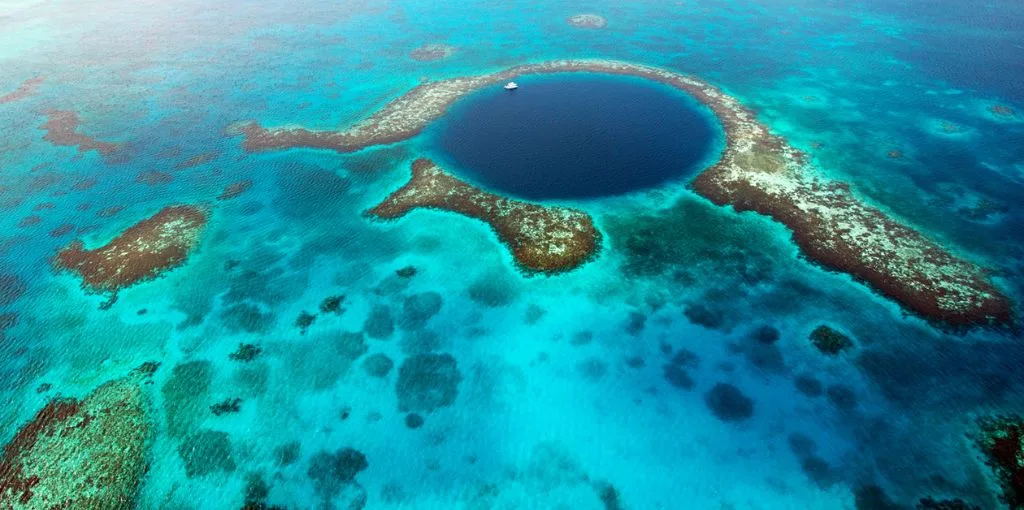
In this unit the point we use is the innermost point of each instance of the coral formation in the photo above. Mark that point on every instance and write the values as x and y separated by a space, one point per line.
332 304
587 21
419 308
245 352
12 287
1000 439
304 321
141 252
406 272
234 189
378 365
842 397
379 324
758 171
998 109
433 51
226 406
154 178
199 159
206 452
62 130
88 453
676 371
332 471
413 420
27 88
808 385
184 395
830 341
728 403
543 239
427 382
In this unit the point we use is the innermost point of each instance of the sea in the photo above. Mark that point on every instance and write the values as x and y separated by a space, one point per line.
672 371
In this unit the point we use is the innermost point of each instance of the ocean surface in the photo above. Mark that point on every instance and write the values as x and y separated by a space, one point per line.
673 371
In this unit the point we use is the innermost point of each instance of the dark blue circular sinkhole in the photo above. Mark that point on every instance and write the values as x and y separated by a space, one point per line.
577 136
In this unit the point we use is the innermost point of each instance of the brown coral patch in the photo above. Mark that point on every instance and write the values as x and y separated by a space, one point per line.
42 206
30 221
757 171
85 184
141 252
154 178
62 230
79 454
234 189
542 239
1000 440
199 159
108 212
431 52
12 287
27 88
62 130
1002 110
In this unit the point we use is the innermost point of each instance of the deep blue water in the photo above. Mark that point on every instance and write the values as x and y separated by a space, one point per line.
577 136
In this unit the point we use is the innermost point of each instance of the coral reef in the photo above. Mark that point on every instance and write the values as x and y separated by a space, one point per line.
141 252
830 341
379 323
808 385
427 382
413 421
676 371
27 88
430 52
543 239
757 171
62 230
842 397
88 453
234 189
406 272
304 321
419 308
226 406
330 472
184 395
199 159
728 403
945 504
587 21
206 452
1000 440
12 287
154 178
332 304
378 365
245 353
998 109
62 130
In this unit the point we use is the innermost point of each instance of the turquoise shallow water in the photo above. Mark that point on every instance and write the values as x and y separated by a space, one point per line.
534 392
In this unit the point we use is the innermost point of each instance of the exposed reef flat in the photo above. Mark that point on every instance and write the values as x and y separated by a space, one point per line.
27 88
757 171
87 453
141 252
62 129
542 239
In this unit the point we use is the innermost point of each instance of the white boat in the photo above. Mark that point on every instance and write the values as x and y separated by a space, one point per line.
511 85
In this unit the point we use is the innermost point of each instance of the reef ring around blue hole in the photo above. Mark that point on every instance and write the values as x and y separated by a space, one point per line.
577 136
